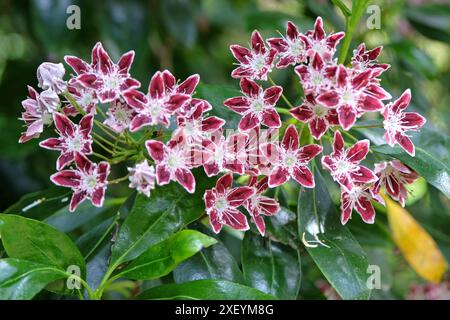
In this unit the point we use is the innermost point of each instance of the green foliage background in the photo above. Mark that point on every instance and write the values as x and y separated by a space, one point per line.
189 37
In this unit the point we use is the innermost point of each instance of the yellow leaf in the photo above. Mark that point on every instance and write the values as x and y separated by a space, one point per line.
416 245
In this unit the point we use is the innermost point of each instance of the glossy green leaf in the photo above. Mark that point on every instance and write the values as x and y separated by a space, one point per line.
215 262
36 241
340 257
271 267
204 290
41 204
426 164
163 257
22 279
154 219
283 228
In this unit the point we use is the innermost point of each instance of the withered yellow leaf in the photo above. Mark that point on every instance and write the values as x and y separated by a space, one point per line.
416 245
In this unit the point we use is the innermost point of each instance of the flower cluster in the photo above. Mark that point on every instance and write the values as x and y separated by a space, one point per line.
165 132
336 95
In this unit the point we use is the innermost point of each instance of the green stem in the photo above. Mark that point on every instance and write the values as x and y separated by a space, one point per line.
98 155
290 105
114 145
118 179
368 126
351 23
283 111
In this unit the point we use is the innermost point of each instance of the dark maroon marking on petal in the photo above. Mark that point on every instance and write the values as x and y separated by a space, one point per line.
271 118
155 149
402 102
65 127
77 198
162 174
168 80
66 178
306 153
278 176
156 86
248 122
98 196
250 88
413 120
303 175
365 209
186 179
240 53
319 33
347 116
358 151
329 98
214 221
78 65
318 126
224 183
125 62
235 219
238 104
272 95
290 139
188 86
237 196
302 113
405 142
258 43
51 144
64 159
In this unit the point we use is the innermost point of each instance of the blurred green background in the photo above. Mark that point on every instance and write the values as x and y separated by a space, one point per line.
193 37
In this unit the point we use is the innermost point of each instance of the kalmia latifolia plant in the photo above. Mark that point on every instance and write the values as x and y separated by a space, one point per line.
102 123
162 133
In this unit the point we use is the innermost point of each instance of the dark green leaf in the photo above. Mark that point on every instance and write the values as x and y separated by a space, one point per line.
36 241
163 257
341 259
205 290
215 262
22 280
283 228
427 165
41 204
270 267
431 20
154 219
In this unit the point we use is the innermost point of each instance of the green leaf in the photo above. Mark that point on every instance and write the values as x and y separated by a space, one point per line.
283 228
215 262
204 290
340 258
426 164
270 267
216 95
36 241
22 280
162 258
41 204
431 20
154 219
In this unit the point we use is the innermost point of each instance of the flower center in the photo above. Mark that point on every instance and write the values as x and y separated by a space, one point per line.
89 182
290 160
343 166
75 143
258 105
319 47
317 78
221 204
259 62
393 123
348 97
86 99
111 82
296 47
175 160
320 111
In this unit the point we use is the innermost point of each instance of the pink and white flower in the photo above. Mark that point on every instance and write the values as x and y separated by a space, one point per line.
319 42
142 178
86 98
364 59
120 115
194 128
397 123
50 76
353 95
256 106
358 198
172 163
289 160
221 154
318 117
163 99
38 112
255 63
344 164
109 80
222 202
292 48
88 181
259 205
73 138
394 176
317 76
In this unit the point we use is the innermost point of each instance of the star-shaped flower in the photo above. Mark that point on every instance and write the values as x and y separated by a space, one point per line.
120 115
222 202
163 99
256 106
256 63
74 138
259 205
319 42
172 163
344 164
353 95
394 176
318 116
397 123
88 181
292 48
290 161
109 80
358 198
